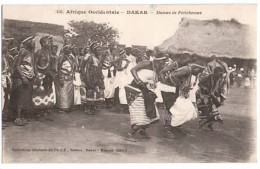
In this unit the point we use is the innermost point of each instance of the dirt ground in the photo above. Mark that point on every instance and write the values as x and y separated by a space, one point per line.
81 138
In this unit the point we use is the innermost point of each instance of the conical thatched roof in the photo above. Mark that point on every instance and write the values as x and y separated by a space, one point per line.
207 37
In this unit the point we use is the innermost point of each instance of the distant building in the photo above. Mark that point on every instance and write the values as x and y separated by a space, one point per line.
121 46
21 29
142 48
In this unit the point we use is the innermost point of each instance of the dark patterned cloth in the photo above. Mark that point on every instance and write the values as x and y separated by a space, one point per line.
131 94
43 95
91 72
209 85
138 112
92 95
26 65
65 92
21 96
65 95
149 99
169 98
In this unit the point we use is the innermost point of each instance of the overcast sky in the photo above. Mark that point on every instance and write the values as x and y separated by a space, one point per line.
149 30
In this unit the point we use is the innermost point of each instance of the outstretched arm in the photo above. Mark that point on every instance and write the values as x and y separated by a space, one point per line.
170 67
176 75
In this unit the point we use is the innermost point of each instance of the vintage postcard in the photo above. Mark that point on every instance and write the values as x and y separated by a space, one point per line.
129 83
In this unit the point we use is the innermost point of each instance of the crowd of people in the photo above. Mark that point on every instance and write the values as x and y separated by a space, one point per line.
242 78
35 84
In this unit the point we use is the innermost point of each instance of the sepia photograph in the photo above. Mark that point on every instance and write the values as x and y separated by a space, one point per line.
124 83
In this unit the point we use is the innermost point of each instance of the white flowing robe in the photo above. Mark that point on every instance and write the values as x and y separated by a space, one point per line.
182 111
77 84
125 77
195 88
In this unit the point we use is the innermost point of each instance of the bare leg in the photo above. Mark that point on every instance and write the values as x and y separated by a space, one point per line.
18 121
134 129
143 132
91 108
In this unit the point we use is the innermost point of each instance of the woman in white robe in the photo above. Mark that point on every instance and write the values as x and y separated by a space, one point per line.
183 109
109 82
77 85
126 77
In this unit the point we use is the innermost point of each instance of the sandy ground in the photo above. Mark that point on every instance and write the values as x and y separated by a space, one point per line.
78 137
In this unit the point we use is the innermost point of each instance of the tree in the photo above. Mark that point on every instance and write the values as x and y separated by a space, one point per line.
101 32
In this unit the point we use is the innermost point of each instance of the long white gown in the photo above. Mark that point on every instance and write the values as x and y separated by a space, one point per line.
109 83
125 77
182 111
77 84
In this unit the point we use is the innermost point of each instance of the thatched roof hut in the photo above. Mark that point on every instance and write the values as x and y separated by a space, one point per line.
229 39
